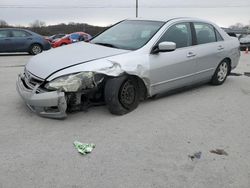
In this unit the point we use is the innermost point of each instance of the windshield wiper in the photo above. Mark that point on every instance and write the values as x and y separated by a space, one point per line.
106 44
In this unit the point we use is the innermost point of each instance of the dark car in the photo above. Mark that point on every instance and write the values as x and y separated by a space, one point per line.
21 40
231 34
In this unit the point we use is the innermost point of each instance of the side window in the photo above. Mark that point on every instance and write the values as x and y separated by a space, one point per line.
17 33
218 36
204 33
180 34
4 33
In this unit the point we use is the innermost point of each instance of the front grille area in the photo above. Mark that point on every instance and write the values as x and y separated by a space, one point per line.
31 81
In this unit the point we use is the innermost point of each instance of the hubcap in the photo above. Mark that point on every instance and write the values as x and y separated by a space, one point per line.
36 49
222 73
127 94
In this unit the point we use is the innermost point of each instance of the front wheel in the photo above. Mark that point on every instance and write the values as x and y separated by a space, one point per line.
35 49
221 73
122 95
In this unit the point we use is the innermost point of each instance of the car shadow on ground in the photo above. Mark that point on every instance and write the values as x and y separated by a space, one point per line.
14 54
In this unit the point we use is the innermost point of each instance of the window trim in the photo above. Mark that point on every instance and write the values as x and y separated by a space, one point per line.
216 31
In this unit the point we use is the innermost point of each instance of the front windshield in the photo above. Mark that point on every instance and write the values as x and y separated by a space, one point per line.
129 34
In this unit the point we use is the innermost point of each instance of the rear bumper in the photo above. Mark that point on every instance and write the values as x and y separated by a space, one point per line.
48 104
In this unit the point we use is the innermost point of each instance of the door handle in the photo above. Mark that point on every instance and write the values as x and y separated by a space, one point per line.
29 38
220 47
191 54
6 39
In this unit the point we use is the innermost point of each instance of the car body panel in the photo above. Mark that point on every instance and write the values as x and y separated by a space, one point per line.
165 71
83 52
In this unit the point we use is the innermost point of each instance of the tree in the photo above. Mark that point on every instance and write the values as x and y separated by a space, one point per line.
237 26
3 23
37 23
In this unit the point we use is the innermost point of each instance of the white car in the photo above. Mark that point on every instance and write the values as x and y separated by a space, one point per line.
244 41
129 62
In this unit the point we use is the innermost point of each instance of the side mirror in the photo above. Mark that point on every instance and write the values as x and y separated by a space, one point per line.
164 47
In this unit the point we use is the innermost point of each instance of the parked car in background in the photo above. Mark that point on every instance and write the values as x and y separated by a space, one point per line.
244 41
232 34
22 40
127 63
55 37
71 38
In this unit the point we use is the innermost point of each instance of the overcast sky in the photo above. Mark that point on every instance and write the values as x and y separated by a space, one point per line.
106 12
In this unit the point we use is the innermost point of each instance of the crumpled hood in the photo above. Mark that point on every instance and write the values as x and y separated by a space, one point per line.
46 63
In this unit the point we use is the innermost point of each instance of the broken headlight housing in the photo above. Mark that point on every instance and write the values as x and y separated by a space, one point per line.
75 82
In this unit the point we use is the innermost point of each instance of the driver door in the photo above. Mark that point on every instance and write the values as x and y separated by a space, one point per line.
169 70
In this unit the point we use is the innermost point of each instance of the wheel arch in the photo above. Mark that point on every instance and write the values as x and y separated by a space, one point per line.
141 83
34 43
142 87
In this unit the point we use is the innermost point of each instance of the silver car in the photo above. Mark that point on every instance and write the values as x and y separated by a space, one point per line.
127 63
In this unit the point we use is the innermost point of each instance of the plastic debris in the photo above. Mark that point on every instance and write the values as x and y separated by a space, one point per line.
84 148
196 155
219 152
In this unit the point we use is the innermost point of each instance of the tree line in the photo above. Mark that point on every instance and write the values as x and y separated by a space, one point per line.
41 28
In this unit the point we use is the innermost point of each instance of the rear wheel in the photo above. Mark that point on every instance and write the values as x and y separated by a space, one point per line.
35 49
221 73
122 95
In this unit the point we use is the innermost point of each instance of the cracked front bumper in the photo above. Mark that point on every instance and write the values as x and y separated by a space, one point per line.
48 104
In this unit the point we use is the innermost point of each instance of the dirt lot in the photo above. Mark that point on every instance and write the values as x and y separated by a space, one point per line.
149 147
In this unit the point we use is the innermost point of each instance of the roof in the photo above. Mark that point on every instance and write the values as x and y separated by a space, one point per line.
168 19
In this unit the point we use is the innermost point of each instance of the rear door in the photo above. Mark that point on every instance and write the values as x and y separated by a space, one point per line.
5 41
21 40
209 50
169 70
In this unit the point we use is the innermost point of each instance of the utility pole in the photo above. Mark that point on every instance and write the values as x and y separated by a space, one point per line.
136 8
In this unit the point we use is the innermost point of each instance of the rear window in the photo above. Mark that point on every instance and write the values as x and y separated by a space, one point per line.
17 33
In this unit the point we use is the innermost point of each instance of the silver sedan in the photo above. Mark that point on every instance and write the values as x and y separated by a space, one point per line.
129 62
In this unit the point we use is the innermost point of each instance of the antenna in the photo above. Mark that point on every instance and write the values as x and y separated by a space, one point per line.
136 8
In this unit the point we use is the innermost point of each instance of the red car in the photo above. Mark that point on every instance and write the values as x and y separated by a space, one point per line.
71 38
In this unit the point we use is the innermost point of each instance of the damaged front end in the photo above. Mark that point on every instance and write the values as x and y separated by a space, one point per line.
67 93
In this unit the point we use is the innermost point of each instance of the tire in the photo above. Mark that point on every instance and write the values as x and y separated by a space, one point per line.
35 49
221 73
122 95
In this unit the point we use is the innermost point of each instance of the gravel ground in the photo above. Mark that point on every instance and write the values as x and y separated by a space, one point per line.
149 147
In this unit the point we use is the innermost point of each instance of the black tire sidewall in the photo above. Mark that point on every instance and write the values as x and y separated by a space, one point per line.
112 95
215 80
